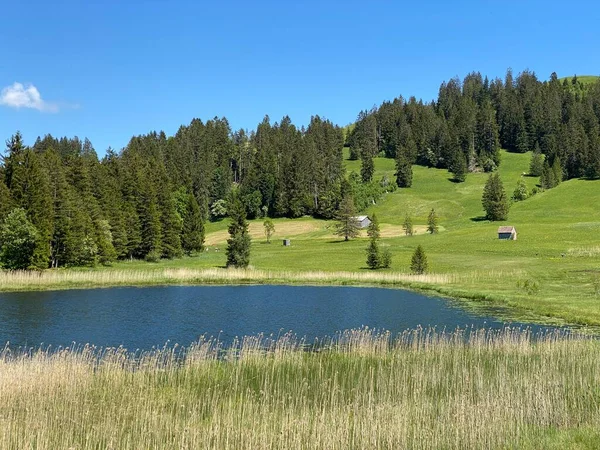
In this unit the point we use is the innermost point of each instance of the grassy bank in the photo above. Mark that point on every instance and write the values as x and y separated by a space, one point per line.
365 390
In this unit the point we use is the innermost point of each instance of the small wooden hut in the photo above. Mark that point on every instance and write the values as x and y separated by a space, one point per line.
507 233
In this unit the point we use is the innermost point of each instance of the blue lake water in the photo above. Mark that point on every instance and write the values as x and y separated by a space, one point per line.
142 318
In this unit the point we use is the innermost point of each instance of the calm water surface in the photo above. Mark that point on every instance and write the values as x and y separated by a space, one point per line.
142 318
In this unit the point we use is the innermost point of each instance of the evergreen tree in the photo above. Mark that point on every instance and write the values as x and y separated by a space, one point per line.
494 199
347 224
432 222
537 162
30 190
367 167
403 170
5 200
18 241
418 263
192 233
407 225
269 229
238 244
373 229
547 180
459 168
557 171
373 254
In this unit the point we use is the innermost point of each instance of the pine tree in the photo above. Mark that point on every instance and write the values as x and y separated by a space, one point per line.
494 199
418 263
407 225
238 244
18 241
432 222
537 162
347 224
192 234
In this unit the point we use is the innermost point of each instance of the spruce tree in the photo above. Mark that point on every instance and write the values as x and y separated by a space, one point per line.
404 172
5 200
367 167
537 162
459 167
347 224
547 180
557 171
192 234
418 263
432 222
373 254
238 244
494 199
407 225
373 230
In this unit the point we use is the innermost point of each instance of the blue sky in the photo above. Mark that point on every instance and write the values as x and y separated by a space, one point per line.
108 70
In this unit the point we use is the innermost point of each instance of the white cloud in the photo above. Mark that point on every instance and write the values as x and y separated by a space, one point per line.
19 96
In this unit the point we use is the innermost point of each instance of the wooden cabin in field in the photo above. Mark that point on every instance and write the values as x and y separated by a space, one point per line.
287 242
363 221
507 233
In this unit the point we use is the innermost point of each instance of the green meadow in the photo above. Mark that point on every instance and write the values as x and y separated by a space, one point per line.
550 274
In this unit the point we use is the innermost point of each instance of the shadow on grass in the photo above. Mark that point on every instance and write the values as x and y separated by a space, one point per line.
337 241
455 181
479 219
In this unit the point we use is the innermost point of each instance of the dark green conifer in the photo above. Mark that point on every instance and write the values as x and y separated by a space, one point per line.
418 263
238 244
494 199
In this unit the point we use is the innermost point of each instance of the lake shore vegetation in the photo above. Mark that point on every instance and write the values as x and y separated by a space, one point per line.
362 389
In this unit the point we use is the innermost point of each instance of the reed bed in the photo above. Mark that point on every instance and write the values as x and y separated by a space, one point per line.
361 389
59 279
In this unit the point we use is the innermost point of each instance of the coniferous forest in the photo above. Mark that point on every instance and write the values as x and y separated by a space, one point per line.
151 199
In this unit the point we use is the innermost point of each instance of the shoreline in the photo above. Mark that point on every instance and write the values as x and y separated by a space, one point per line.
440 285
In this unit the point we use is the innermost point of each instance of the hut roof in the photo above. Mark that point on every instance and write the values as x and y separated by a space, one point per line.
361 218
506 229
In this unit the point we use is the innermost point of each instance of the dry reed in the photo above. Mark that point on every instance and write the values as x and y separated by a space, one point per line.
362 389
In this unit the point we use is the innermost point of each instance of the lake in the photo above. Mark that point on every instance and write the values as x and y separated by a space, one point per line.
142 318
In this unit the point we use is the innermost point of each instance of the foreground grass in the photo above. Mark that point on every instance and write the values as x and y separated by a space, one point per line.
422 389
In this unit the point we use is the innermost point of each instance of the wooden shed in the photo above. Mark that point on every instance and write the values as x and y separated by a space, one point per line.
287 242
507 233
363 221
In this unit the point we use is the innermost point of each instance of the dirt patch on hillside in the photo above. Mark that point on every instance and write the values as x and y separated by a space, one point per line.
257 231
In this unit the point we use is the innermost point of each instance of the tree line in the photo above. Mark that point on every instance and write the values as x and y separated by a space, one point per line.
464 129
151 199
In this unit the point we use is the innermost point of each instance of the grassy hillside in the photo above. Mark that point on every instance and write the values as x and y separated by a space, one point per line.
584 79
558 250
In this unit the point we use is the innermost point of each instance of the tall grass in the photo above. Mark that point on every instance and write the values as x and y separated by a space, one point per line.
364 389
55 279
